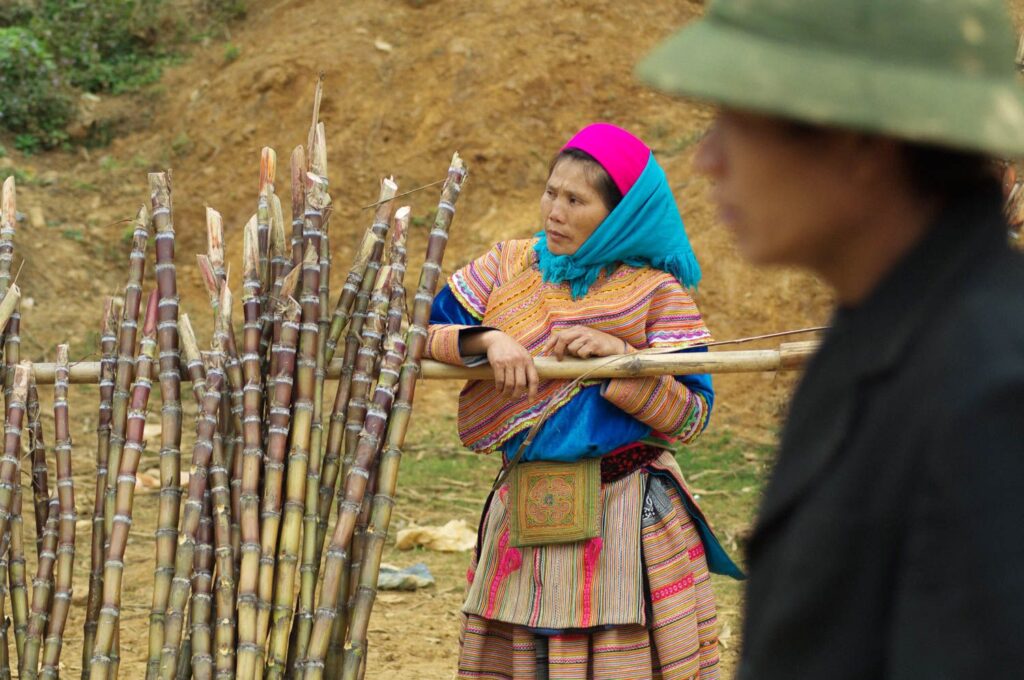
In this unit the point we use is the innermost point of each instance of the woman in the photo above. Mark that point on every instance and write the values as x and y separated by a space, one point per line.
591 558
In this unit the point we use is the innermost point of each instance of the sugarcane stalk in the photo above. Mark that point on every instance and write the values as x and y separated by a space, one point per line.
40 476
42 592
387 472
264 216
268 171
224 585
277 447
8 220
220 301
252 456
317 216
201 602
127 333
206 425
280 260
113 570
372 242
5 660
193 364
356 479
392 313
184 670
12 350
280 265
339 413
9 304
67 518
298 459
215 243
108 364
16 560
125 368
18 572
298 170
170 411
363 377
284 288
10 464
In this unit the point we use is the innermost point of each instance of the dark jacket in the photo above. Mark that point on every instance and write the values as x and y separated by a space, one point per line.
890 541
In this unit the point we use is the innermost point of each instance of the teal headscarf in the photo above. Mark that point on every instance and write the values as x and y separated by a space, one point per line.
644 229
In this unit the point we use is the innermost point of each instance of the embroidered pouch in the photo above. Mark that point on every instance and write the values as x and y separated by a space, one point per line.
554 502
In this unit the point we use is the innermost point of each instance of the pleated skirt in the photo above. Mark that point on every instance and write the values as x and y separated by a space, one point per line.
679 640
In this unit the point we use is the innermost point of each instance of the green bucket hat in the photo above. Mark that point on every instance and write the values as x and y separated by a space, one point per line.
932 71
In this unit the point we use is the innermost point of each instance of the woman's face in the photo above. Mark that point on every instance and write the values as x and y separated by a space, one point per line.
571 208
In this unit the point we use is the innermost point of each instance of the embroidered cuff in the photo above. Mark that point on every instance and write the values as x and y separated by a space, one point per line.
662 403
443 343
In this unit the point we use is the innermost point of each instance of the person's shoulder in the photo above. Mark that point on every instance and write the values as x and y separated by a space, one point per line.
512 256
656 282
990 304
980 327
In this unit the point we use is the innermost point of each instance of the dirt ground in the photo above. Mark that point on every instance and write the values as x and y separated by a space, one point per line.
406 84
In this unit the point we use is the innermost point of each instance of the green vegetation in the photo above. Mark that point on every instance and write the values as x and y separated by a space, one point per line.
50 50
181 145
34 102
231 53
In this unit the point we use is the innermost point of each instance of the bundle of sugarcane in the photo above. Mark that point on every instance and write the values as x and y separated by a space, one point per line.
242 586
38 613
244 565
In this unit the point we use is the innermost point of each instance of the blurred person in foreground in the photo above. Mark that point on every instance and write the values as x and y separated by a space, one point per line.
592 560
855 139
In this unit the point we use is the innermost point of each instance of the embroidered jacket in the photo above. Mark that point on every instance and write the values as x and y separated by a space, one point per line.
646 307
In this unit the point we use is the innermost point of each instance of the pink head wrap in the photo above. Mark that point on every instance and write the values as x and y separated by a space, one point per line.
619 152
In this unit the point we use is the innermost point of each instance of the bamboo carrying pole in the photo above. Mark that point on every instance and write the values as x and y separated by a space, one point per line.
789 356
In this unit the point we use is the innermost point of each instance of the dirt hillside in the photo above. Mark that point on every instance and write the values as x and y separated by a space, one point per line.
406 84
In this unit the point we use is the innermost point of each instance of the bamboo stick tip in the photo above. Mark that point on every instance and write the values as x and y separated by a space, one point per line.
189 346
250 249
403 213
225 303
62 355
22 373
8 214
209 277
268 168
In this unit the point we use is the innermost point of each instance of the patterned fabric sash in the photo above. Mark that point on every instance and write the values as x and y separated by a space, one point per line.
618 464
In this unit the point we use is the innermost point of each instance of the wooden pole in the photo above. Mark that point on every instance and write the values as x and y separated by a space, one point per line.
789 356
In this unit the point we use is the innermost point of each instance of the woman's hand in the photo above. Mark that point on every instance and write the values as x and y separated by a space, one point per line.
514 372
584 342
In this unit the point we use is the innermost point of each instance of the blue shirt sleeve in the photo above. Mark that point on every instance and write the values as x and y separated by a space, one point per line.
447 309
